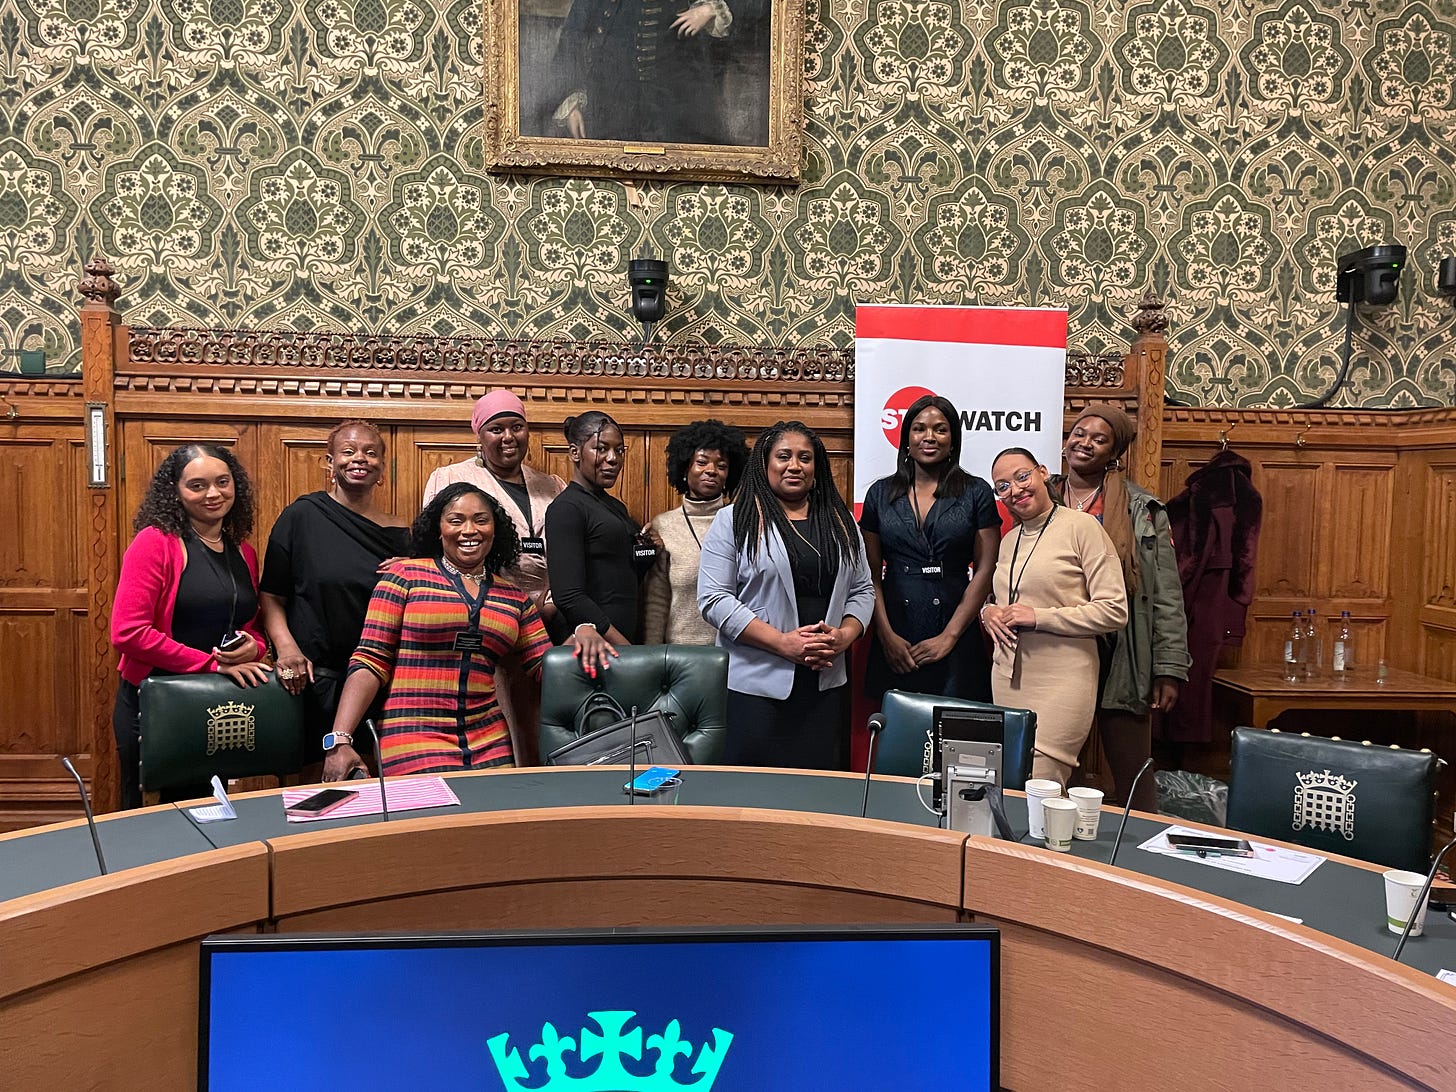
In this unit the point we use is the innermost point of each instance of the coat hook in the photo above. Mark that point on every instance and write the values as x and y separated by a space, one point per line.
1223 440
1300 441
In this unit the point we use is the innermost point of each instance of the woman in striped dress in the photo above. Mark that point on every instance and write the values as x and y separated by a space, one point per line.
437 626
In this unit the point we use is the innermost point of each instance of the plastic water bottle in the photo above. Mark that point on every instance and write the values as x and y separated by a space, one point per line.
1314 645
1342 661
1294 664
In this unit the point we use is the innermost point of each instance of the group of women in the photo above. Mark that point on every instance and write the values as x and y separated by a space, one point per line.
439 630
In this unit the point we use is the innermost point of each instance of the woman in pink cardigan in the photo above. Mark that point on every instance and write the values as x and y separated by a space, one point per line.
187 600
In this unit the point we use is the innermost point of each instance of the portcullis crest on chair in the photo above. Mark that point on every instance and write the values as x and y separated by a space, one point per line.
1325 801
231 727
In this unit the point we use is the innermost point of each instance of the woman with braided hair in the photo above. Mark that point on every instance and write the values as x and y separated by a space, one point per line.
784 580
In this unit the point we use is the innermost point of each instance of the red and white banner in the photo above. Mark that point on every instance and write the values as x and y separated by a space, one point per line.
1003 368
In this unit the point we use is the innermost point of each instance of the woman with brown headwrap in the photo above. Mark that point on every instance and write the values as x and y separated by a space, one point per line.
1144 663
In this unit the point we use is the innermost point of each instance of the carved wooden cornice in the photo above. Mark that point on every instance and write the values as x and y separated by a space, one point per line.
210 361
56 386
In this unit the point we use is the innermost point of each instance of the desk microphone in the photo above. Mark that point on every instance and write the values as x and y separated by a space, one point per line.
1420 899
632 761
379 758
1131 792
91 819
875 725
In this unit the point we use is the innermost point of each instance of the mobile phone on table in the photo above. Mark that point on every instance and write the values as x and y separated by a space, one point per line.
321 803
650 780
1205 844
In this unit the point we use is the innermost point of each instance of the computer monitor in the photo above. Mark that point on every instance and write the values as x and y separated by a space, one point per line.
651 1010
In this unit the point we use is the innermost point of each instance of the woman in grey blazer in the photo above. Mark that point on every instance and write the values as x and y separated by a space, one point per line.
784 580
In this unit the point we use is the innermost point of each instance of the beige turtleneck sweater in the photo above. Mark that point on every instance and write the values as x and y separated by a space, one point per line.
670 592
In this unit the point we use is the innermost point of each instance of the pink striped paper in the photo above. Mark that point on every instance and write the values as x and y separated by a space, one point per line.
405 794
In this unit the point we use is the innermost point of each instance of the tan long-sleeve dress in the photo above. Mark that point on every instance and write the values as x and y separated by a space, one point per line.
1067 570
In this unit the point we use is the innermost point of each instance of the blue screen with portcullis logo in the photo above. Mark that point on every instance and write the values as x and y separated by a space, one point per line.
869 1009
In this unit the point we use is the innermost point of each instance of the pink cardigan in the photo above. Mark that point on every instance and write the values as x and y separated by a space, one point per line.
141 617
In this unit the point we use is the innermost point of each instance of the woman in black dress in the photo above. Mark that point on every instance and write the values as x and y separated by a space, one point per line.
599 553
928 523
320 568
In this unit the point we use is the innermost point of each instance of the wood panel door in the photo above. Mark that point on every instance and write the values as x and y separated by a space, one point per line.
43 621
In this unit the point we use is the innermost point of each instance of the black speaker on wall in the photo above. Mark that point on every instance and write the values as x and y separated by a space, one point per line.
1371 275
1446 277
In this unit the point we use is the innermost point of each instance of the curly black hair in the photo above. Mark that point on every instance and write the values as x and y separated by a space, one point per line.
162 506
425 538
709 435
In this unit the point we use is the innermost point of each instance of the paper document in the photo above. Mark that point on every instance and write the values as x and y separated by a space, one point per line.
405 794
1268 862
212 813
1449 977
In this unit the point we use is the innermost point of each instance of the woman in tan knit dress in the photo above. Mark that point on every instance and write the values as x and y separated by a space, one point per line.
705 459
1058 586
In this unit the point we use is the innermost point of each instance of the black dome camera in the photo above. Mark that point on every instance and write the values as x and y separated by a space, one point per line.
648 277
1371 275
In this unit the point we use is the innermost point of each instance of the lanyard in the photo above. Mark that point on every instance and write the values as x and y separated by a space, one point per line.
1014 579
227 563
691 531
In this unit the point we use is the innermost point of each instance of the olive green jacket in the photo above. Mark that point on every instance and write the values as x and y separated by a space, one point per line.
1155 639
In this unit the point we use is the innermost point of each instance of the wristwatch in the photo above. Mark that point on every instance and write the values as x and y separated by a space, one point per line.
336 739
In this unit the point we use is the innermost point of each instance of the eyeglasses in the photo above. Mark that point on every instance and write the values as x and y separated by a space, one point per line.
1020 478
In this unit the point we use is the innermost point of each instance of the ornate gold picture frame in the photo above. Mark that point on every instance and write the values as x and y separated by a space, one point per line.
708 90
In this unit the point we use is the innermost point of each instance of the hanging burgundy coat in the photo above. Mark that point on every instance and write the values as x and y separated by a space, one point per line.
1216 537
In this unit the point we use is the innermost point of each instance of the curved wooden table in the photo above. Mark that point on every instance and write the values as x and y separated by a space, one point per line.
1109 979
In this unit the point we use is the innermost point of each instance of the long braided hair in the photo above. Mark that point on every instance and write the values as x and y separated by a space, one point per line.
755 504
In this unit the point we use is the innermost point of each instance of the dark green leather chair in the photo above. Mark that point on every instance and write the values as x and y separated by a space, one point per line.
687 682
904 741
1337 796
195 726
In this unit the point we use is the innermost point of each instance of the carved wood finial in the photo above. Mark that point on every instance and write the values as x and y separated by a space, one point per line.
1150 318
97 286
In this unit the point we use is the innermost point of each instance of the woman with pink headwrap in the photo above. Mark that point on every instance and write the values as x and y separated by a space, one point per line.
499 467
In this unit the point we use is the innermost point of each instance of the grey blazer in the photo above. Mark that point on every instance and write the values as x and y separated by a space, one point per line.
733 590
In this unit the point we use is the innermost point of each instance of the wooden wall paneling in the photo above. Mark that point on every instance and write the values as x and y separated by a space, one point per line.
43 620
1285 574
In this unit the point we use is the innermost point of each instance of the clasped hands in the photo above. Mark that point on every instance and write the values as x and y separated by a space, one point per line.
1002 623
242 664
814 645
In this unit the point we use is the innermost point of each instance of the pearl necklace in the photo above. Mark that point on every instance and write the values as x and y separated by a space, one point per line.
476 575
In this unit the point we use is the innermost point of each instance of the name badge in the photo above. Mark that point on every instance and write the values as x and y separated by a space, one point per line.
644 552
936 571
535 545
469 640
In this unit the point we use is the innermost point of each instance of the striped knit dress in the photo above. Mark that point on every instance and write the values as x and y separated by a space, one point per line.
441 712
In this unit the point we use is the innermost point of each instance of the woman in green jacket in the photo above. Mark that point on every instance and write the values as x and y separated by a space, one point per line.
1148 660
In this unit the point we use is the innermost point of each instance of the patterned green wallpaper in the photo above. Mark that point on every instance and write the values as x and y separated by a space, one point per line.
317 163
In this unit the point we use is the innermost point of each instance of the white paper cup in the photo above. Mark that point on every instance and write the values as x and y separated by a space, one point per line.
1060 817
1038 790
1089 812
1401 890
